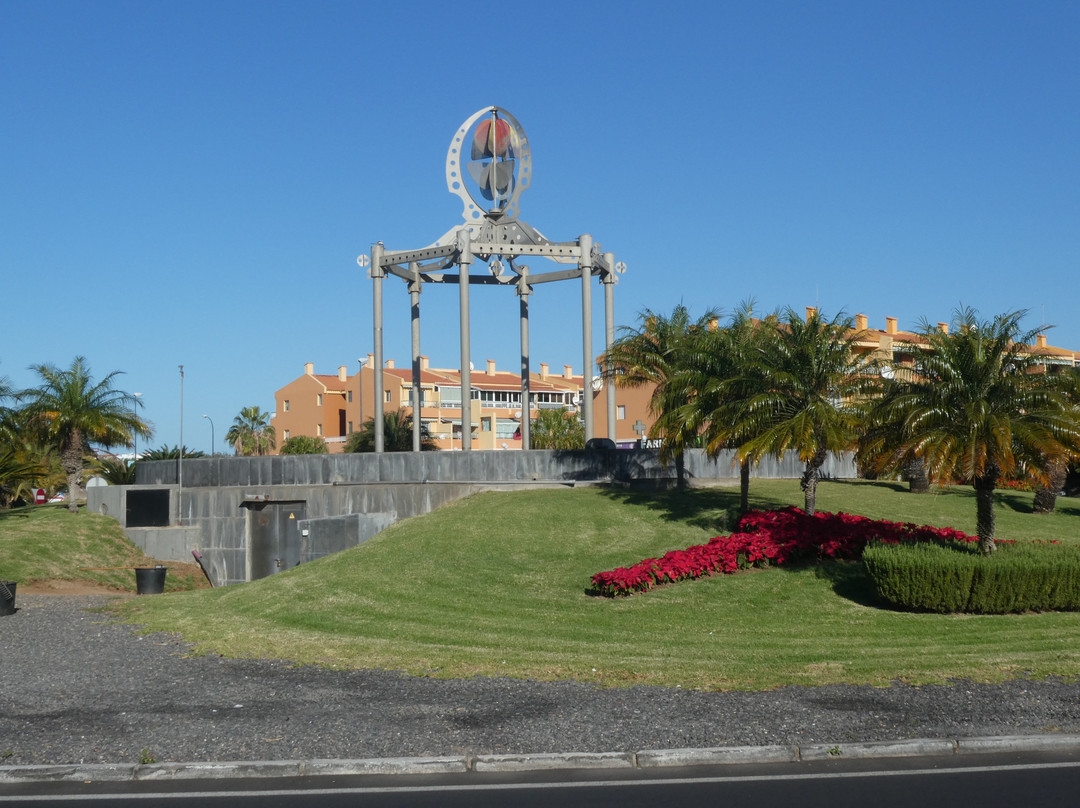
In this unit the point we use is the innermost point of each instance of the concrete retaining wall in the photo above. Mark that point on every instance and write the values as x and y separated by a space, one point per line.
350 498
467 467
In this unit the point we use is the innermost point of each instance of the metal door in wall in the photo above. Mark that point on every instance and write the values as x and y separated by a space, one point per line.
273 537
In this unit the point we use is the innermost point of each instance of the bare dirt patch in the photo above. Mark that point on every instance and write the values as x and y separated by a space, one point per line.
178 570
58 587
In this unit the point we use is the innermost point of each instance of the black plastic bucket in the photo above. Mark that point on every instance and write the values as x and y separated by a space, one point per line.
7 597
150 580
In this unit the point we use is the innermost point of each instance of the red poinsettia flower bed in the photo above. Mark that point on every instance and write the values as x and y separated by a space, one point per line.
765 538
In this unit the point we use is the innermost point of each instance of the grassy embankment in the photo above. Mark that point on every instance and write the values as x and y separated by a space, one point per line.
47 543
495 585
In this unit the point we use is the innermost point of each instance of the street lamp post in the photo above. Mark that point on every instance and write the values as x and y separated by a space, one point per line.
212 443
135 432
180 462
360 377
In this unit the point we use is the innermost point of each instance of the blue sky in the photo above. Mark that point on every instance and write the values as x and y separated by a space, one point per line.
191 183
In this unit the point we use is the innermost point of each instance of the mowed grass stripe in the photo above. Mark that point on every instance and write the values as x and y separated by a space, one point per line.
495 585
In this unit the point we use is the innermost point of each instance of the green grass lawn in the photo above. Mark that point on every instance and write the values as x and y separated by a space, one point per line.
495 585
47 543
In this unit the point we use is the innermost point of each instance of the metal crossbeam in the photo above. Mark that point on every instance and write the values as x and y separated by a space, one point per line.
425 254
549 250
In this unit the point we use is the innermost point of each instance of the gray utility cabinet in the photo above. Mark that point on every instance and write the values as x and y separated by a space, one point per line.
273 536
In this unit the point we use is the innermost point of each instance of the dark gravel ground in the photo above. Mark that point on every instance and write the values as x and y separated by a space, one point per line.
77 687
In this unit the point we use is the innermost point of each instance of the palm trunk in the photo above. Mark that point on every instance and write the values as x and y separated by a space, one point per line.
680 470
918 481
744 486
1046 497
71 459
810 480
984 504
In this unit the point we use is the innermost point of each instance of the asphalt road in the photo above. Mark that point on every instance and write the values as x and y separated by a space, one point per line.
1007 780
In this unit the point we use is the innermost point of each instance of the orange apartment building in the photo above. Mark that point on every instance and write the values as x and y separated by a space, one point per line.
898 348
333 406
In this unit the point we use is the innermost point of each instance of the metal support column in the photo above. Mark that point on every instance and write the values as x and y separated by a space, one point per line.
377 318
465 259
414 300
524 291
608 279
585 242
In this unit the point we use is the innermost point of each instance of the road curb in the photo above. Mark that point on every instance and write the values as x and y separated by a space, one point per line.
915 747
644 759
655 758
550 762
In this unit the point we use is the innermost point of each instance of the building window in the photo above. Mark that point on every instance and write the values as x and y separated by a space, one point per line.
286 402
504 398
319 399
350 396
350 427
485 424
388 397
286 434
620 412
318 430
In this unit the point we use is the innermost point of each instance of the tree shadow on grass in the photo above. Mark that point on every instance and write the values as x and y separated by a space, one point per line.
892 485
849 580
715 510
1017 501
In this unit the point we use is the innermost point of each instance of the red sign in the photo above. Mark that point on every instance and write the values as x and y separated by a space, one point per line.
39 496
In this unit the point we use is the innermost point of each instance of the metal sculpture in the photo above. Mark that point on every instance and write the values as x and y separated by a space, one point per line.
488 166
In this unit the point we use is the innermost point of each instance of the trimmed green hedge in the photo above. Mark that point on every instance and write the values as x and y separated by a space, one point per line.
952 578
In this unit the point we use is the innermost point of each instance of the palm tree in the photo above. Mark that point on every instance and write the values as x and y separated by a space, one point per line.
114 470
804 387
556 429
166 452
1046 494
655 353
7 429
718 380
71 410
397 435
17 476
251 433
980 406
1057 468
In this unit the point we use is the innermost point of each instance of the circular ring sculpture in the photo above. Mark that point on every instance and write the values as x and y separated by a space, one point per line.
489 164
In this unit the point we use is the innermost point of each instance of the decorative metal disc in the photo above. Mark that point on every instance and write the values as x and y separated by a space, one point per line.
489 164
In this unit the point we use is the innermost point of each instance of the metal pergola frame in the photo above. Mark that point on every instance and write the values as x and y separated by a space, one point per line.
500 240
